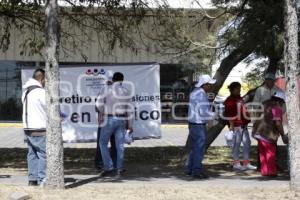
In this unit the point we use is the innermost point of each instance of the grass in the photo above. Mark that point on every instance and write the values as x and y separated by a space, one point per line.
144 164
81 161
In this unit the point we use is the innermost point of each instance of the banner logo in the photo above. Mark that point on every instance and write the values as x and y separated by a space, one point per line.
95 72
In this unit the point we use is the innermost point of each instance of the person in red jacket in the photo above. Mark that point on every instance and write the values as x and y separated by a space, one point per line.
237 116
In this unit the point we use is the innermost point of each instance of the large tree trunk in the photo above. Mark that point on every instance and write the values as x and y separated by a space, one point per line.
291 66
55 169
227 64
273 65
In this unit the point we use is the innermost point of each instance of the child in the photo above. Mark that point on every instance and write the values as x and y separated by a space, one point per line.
267 130
236 114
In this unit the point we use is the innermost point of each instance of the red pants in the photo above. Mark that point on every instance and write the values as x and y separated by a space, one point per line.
267 156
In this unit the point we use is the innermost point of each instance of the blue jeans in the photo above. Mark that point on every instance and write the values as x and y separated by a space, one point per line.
197 134
113 151
36 158
241 134
114 126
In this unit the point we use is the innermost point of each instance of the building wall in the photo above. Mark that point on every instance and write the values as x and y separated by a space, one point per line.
93 46
94 50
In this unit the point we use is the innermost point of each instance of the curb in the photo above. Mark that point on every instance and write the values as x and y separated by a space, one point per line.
11 125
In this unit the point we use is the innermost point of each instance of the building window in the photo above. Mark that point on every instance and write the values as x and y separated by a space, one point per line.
11 89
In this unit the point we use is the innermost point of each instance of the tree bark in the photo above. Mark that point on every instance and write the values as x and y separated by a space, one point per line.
228 64
54 146
273 65
291 67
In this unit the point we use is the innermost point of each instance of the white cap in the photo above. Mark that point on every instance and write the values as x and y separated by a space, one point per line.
279 94
203 79
109 75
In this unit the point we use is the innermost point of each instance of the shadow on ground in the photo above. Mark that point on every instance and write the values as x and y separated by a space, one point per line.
144 164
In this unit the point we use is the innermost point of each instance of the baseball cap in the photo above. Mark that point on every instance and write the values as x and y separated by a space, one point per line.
203 79
279 94
109 75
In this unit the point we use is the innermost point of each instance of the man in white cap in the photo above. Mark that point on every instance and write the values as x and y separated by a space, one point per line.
266 91
199 114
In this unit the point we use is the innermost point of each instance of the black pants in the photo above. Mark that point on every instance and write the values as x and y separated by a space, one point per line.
113 151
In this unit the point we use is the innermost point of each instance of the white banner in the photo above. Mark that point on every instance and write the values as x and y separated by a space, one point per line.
80 85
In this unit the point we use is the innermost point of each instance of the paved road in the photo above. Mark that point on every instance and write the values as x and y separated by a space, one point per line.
171 136
236 180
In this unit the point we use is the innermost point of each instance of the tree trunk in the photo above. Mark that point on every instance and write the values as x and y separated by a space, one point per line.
273 65
228 63
55 169
291 67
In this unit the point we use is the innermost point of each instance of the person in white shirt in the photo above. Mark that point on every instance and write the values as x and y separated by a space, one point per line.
113 151
115 116
199 114
266 91
34 123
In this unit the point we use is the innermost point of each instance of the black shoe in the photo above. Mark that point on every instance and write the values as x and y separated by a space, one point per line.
106 173
201 176
32 183
188 173
99 168
120 173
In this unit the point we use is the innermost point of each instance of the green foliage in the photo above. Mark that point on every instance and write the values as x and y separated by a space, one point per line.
254 78
187 36
258 23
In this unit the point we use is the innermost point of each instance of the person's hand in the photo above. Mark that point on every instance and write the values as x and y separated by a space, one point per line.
130 130
100 119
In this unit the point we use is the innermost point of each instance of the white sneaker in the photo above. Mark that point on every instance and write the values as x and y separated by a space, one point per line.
237 166
43 183
249 167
